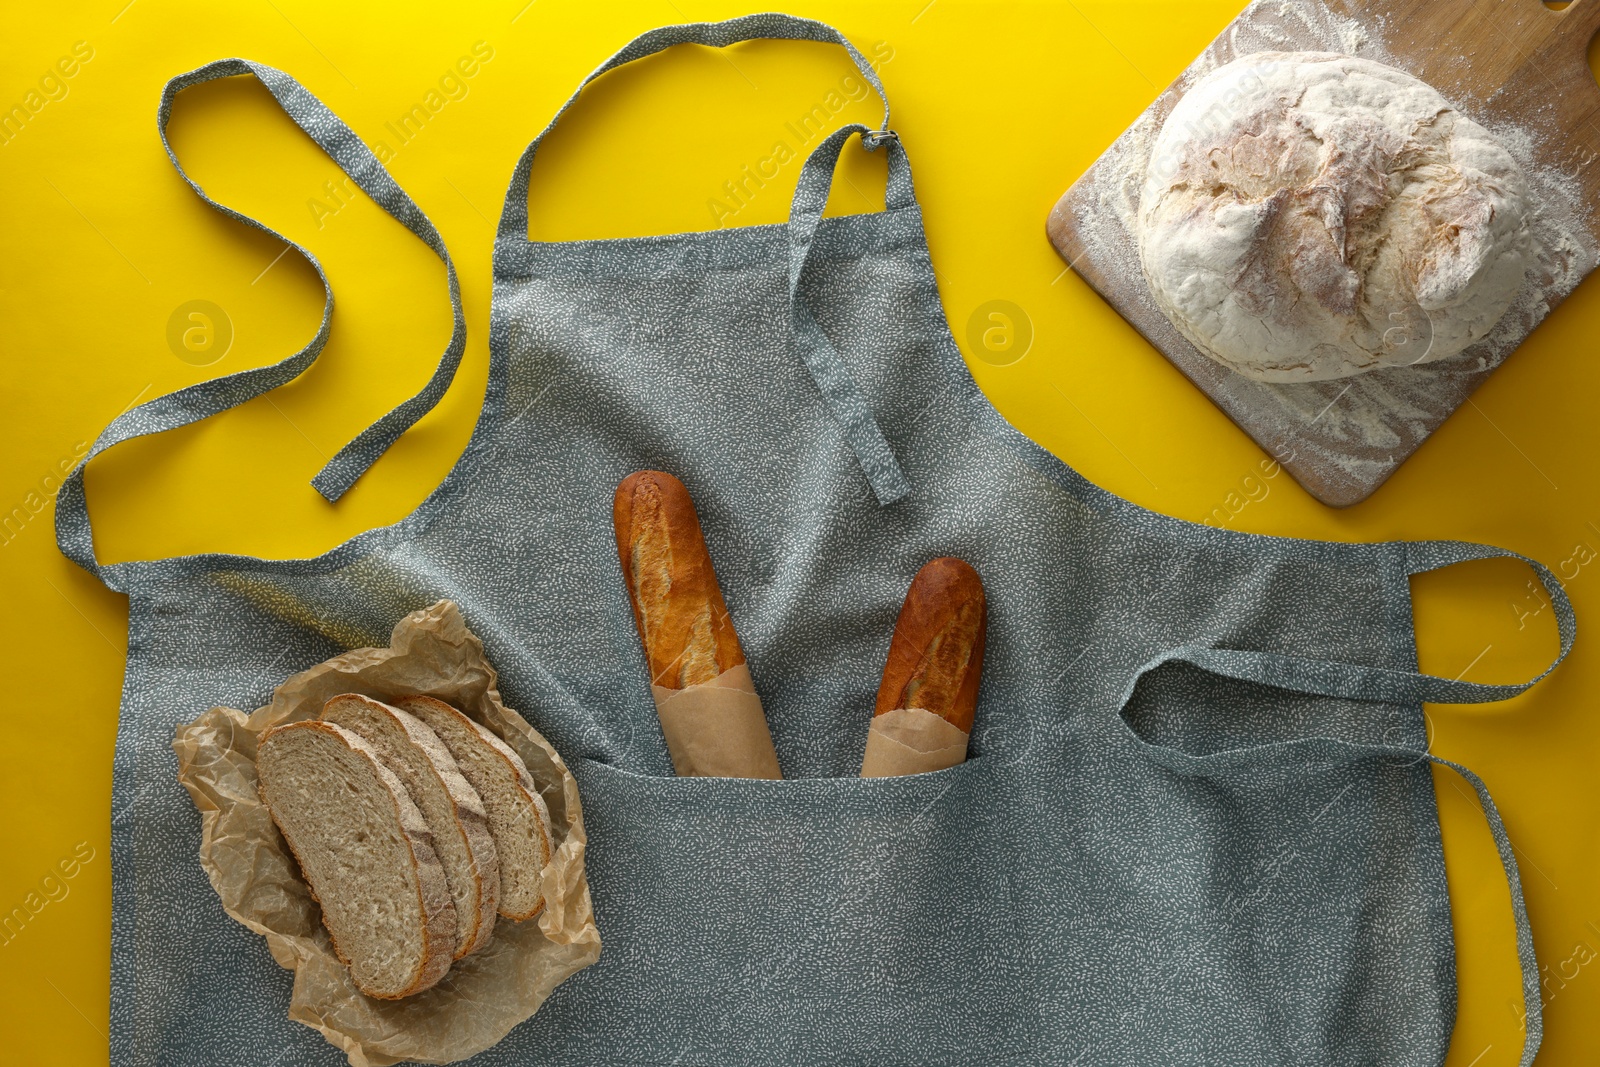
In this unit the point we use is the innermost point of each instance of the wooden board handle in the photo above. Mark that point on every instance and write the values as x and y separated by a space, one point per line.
1517 61
1555 85
1564 35
1584 18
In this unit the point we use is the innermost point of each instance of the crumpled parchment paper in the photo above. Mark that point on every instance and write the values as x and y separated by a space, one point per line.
911 741
717 729
485 994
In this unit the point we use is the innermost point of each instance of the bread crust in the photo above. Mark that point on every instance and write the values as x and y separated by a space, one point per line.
1315 215
524 781
678 608
936 654
472 931
433 894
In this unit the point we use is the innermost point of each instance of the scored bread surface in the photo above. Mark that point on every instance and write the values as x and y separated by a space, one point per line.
366 854
936 654
450 806
518 818
678 608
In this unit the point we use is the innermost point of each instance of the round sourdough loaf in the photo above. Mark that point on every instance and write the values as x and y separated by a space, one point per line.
1310 215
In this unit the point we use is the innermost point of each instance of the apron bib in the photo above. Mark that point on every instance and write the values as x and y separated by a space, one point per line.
1198 821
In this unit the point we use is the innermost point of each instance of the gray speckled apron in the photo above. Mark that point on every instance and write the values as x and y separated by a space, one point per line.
1198 824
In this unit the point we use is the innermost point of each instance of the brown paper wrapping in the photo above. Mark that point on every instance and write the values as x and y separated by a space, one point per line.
911 741
485 994
717 729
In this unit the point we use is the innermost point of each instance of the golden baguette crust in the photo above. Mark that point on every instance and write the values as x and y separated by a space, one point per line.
677 605
936 654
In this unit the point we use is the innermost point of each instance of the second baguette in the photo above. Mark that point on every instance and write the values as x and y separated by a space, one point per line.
936 654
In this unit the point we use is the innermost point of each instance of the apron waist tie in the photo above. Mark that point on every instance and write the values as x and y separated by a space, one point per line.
1386 685
74 532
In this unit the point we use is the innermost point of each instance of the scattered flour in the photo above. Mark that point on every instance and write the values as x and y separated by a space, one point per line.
1354 431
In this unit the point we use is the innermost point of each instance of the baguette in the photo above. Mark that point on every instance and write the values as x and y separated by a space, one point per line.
450 806
366 854
936 654
519 822
677 605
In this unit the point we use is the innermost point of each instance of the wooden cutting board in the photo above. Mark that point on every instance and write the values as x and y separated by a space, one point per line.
1519 67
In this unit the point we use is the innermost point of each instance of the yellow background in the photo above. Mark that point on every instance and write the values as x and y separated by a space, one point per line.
1001 107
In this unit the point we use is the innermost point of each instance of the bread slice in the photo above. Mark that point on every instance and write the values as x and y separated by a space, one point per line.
366 854
449 805
518 818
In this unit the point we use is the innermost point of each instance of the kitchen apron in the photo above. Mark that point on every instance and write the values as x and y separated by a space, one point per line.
1198 821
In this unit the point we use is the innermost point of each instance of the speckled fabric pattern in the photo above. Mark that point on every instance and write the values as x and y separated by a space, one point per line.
1197 825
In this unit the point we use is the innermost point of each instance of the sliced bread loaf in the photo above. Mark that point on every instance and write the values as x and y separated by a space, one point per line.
366 854
449 805
518 818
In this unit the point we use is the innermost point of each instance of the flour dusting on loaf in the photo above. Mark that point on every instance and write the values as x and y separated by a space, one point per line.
1311 215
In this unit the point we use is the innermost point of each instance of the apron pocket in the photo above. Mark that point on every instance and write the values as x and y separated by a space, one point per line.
740 914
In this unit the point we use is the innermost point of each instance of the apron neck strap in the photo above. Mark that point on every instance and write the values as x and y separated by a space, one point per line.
840 391
73 531
513 229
